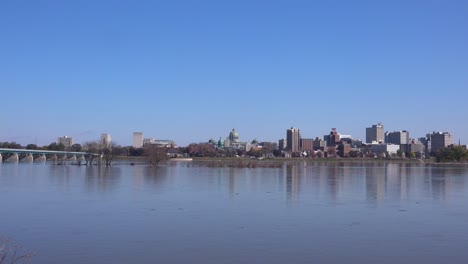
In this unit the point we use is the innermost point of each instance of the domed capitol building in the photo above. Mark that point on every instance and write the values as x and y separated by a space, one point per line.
232 141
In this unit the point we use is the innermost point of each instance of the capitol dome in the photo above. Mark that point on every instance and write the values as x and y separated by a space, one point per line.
234 136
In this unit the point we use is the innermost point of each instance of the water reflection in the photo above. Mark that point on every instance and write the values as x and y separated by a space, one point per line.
292 181
232 184
338 182
102 179
184 212
157 176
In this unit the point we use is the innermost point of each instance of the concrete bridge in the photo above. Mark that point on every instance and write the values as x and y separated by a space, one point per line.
59 157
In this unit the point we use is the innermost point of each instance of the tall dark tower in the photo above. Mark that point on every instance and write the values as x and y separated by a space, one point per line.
293 139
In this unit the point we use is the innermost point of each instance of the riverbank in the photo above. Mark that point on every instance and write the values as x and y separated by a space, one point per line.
301 160
276 162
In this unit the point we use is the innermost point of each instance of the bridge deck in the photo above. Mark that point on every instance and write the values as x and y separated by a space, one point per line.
42 152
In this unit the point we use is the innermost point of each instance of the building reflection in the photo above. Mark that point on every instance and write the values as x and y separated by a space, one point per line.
375 174
60 175
375 182
232 183
292 181
102 179
138 177
157 176
144 175
333 181
445 181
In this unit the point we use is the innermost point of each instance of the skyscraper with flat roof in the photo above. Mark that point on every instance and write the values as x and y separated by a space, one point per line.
397 137
293 139
137 139
282 145
66 141
375 133
440 140
307 144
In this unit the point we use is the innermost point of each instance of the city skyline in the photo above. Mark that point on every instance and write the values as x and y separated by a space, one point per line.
190 72
142 136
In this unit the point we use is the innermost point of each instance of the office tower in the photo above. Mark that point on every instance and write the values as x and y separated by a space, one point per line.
282 144
137 139
397 137
307 144
375 133
440 140
333 138
293 139
66 141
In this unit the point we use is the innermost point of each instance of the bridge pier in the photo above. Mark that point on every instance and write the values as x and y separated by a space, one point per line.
41 158
27 159
62 160
53 158
58 157
89 160
72 159
14 158
81 160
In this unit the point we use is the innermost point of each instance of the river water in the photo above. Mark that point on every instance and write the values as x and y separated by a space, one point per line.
187 212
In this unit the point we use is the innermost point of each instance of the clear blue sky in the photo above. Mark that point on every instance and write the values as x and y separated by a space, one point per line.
192 70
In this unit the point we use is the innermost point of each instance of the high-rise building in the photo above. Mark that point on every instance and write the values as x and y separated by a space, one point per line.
417 148
426 141
137 139
344 149
282 145
334 138
319 144
66 141
105 141
397 137
307 144
293 139
375 133
440 140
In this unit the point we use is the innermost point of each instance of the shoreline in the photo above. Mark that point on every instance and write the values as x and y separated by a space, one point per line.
275 162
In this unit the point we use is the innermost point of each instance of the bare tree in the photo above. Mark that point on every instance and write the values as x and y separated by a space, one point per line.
91 147
108 153
11 253
155 154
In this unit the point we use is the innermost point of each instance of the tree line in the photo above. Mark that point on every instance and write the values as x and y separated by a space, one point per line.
452 154
156 154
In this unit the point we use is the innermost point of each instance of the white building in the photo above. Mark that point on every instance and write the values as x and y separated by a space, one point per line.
137 139
385 148
66 141
160 142
105 140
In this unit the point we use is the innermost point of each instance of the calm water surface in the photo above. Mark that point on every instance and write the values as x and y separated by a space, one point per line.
190 213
